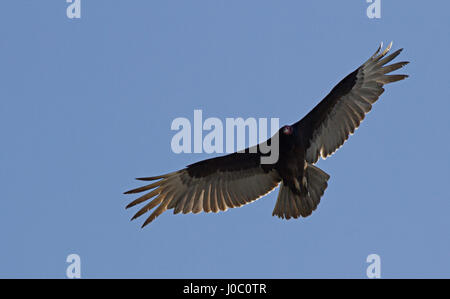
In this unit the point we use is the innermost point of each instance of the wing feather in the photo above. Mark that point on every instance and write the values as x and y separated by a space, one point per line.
326 128
201 188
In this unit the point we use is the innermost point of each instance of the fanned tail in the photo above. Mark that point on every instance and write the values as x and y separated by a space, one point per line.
293 204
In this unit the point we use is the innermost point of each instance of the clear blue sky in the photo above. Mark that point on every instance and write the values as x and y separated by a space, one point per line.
86 106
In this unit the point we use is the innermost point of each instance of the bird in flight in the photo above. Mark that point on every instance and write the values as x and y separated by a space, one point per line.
240 178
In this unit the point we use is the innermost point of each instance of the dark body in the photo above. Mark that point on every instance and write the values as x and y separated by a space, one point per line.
237 179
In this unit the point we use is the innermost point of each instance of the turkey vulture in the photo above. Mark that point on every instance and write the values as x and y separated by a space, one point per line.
237 179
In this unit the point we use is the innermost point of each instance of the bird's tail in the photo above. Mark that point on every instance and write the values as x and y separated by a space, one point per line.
294 204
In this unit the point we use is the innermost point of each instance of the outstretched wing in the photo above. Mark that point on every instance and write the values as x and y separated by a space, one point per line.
211 185
329 124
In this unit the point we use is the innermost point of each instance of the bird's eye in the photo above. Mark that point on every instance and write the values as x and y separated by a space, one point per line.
287 130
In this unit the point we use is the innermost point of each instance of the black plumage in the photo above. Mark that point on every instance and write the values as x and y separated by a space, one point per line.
236 179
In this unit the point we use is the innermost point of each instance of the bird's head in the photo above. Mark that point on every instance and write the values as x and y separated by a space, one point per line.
287 130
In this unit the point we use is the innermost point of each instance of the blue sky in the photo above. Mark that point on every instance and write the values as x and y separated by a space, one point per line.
86 106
